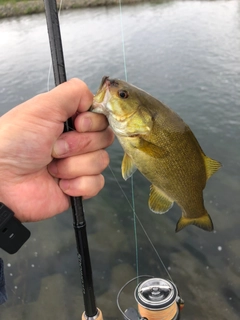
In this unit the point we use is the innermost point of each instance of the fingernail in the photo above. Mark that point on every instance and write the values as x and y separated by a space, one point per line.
52 168
86 124
60 147
64 185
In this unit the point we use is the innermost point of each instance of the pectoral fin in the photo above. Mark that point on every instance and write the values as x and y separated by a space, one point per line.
151 149
211 166
204 222
128 167
158 202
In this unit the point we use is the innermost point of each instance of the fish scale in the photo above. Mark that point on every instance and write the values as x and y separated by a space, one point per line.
161 146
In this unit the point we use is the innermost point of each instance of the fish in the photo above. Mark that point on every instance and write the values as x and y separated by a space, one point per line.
158 143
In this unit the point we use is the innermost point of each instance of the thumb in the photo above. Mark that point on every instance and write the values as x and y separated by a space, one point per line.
63 101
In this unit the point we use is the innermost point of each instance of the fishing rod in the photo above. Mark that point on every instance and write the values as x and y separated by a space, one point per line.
79 222
156 298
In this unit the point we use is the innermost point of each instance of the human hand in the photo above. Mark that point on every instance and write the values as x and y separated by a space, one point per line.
39 165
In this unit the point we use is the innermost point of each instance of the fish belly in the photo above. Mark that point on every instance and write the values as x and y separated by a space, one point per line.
182 180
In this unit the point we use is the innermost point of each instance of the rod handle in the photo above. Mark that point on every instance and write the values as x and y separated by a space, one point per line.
98 316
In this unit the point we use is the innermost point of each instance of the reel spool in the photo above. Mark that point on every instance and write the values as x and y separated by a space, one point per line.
157 299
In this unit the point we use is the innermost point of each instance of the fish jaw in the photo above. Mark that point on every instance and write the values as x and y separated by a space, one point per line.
126 117
103 103
99 108
100 101
108 96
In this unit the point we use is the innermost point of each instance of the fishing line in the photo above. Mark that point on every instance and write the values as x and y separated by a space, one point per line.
123 41
145 232
135 216
132 185
123 287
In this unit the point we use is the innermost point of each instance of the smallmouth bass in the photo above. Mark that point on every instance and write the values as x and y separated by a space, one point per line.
161 146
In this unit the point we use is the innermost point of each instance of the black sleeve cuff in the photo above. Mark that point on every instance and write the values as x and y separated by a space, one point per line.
3 293
13 234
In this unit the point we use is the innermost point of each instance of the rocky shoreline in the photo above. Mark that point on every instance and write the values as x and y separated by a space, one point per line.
19 8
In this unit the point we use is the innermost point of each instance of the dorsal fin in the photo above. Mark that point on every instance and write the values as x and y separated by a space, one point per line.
211 166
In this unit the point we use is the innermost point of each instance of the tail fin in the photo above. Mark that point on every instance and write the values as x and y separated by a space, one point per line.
204 222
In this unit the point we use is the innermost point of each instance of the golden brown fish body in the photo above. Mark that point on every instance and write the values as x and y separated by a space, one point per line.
161 146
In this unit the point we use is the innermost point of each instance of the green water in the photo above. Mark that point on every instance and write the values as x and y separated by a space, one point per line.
187 54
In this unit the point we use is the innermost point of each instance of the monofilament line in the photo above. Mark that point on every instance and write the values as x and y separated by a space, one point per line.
132 185
139 221
123 41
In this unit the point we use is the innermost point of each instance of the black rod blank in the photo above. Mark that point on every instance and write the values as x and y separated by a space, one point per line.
79 223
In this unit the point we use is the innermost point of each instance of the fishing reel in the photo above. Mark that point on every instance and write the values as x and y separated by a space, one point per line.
157 299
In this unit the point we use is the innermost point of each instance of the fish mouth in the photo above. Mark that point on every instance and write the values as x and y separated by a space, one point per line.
106 83
100 101
103 82
99 107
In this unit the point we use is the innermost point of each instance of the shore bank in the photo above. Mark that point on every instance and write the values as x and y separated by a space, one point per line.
10 9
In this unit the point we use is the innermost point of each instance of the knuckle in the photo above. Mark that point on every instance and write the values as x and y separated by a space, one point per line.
78 142
84 142
77 82
99 185
102 181
92 187
103 159
111 135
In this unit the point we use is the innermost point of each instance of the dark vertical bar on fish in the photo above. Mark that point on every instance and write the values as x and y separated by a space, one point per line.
76 202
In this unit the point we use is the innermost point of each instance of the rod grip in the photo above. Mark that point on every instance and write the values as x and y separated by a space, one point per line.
98 316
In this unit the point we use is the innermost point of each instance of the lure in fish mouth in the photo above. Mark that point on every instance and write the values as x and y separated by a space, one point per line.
161 146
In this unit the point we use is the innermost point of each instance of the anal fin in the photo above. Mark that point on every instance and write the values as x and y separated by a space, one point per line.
158 202
128 167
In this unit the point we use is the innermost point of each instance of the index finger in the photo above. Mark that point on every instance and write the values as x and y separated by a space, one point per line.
64 100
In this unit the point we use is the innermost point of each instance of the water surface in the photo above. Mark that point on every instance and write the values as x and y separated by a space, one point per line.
187 54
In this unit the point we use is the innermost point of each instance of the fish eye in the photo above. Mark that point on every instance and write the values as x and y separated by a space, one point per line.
123 94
